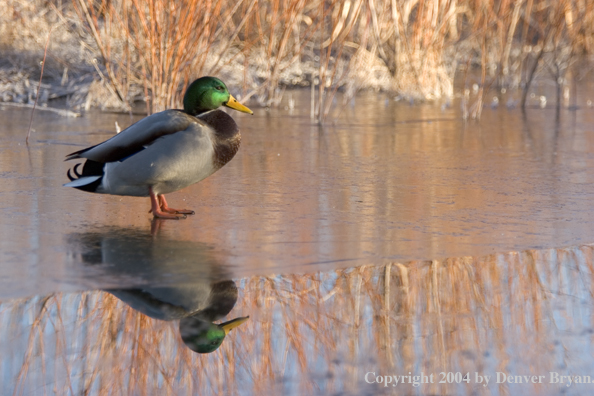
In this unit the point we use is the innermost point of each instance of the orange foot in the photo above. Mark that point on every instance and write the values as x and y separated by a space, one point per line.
160 209
165 208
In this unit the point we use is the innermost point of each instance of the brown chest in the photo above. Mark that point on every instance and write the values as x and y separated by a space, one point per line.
225 150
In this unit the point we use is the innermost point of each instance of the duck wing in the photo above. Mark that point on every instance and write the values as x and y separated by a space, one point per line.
137 137
143 301
170 303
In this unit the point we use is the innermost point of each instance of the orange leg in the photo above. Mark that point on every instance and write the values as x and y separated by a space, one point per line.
156 208
165 208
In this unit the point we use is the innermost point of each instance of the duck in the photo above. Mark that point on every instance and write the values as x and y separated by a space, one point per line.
196 306
164 152
163 278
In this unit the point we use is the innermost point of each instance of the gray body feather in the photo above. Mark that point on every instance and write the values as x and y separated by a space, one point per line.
166 151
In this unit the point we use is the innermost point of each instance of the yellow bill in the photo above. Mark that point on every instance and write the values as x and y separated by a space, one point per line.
234 104
230 325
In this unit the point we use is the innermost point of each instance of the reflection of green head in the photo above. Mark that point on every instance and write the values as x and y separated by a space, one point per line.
203 337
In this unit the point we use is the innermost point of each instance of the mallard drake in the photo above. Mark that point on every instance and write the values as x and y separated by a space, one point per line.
166 151
197 306
119 256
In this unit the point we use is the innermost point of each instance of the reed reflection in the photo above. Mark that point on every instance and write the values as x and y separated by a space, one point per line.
519 313
131 254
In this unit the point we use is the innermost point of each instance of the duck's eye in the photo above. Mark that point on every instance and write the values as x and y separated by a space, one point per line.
219 88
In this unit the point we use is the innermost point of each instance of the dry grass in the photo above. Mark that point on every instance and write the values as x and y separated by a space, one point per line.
151 50
316 333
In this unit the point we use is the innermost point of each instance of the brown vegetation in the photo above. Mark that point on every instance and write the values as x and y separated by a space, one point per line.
151 50
319 332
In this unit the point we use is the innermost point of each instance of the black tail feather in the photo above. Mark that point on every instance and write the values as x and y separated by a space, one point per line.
90 168
75 171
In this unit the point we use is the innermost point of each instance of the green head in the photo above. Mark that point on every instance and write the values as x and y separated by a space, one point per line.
209 93
204 337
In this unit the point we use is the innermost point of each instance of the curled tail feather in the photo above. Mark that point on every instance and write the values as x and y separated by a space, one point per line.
89 179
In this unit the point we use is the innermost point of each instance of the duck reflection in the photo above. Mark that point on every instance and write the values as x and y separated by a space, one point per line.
121 255
197 306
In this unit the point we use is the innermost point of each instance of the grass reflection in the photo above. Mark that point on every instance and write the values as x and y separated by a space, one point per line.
519 312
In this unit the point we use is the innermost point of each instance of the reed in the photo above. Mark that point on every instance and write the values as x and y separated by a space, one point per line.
152 50
563 33
160 44
316 333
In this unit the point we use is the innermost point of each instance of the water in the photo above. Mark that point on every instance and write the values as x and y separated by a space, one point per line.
396 239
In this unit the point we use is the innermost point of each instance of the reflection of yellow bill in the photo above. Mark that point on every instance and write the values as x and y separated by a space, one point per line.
234 104
230 325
